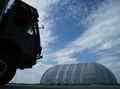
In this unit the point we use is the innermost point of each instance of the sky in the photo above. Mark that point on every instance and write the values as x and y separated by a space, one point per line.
76 31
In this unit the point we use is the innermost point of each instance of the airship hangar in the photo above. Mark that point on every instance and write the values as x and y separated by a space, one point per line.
73 76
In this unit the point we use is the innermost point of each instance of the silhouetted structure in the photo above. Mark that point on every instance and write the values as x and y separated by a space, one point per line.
19 39
78 74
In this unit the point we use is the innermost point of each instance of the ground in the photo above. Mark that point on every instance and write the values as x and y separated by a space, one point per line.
25 86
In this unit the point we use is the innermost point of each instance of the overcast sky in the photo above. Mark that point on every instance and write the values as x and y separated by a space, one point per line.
76 31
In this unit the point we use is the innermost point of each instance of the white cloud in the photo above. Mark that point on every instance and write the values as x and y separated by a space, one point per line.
103 34
101 37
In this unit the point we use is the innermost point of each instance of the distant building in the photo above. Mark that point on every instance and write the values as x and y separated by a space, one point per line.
82 73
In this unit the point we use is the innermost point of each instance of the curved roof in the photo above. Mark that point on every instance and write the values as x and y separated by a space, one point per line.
83 73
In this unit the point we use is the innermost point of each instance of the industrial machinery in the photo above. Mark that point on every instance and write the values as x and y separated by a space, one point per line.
19 38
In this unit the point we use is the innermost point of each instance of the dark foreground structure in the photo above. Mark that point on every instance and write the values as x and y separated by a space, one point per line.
19 38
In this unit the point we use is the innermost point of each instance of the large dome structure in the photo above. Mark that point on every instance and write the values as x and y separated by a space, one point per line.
82 73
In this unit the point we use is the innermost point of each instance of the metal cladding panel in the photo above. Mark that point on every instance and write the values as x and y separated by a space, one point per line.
82 73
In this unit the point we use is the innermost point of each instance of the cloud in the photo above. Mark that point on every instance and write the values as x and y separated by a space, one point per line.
102 38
